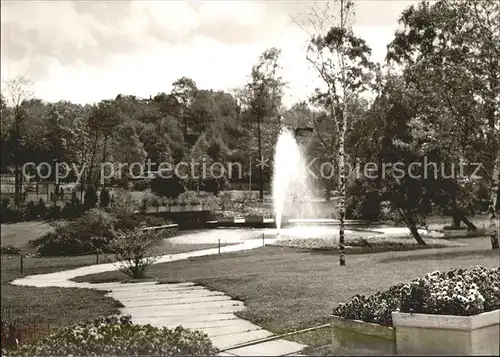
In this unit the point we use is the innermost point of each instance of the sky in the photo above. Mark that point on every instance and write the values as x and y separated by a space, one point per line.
87 51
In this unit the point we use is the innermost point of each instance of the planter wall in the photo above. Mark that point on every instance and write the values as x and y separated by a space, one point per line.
357 337
254 219
421 334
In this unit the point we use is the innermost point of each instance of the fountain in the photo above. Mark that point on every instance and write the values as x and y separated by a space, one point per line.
292 186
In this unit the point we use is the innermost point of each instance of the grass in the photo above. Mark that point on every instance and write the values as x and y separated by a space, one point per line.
56 306
60 306
288 289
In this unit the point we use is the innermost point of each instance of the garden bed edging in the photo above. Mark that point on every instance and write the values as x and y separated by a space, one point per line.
362 338
424 334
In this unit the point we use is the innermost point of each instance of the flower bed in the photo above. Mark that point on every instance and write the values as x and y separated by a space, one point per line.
459 306
457 292
118 336
360 240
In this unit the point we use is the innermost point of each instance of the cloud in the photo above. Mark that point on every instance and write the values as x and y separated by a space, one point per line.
90 50
90 32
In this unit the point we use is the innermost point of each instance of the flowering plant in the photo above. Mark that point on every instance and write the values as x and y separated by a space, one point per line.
457 292
113 336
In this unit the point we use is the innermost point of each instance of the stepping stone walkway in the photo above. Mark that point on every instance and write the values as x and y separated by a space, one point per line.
186 304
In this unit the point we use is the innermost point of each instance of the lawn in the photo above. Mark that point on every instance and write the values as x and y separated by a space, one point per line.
287 289
60 306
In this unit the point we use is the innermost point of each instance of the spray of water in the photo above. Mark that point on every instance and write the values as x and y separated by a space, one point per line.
292 186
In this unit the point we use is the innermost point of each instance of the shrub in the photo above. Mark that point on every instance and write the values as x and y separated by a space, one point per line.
31 210
41 210
215 185
118 336
11 213
74 208
456 292
54 212
10 250
123 204
133 250
90 197
167 187
142 185
83 235
104 198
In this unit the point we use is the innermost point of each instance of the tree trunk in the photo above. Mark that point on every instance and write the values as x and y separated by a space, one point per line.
468 223
412 226
17 149
261 166
342 190
494 220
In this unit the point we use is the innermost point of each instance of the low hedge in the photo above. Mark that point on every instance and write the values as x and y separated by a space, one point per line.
457 292
112 336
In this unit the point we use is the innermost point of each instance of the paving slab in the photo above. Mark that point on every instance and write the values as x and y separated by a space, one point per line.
206 325
175 300
168 305
172 305
229 330
165 294
226 341
160 312
270 348
183 319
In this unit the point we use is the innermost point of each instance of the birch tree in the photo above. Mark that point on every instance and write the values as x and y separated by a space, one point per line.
341 60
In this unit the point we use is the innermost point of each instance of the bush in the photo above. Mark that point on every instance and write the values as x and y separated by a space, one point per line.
133 250
456 292
167 187
83 235
31 211
54 212
10 250
104 198
41 210
118 336
90 197
142 185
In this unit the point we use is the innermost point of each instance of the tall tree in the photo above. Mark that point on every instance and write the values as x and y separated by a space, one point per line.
184 90
341 60
19 92
265 91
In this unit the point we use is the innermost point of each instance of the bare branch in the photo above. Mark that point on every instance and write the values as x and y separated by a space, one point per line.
19 90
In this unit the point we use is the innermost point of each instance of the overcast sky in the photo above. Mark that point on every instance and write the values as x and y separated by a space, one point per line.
86 51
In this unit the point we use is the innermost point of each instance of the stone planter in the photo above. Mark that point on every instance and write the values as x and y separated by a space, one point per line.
226 220
421 334
455 232
194 208
163 209
254 219
361 338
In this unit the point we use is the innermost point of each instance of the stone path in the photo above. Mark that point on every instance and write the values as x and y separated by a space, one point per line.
183 304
